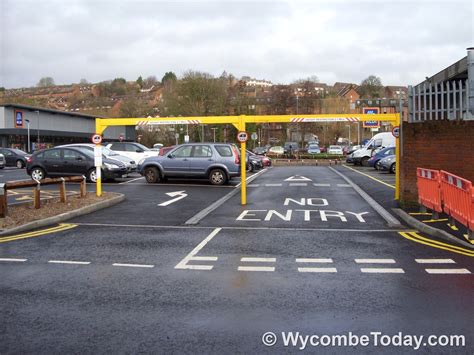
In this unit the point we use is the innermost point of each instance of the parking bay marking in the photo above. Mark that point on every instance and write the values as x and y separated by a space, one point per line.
180 195
316 269
183 264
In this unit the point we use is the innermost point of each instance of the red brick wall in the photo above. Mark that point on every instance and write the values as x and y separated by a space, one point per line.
441 145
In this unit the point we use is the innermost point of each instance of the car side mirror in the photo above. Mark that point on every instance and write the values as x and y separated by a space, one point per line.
79 158
171 156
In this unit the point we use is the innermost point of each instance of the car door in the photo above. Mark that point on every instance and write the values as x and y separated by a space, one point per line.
201 158
9 157
177 162
52 161
74 163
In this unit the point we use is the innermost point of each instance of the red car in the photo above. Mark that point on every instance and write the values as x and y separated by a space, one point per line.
265 160
164 150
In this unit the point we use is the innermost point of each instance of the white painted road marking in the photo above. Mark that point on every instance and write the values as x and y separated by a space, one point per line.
134 265
374 261
273 185
322 185
435 261
180 194
259 260
447 271
311 260
343 185
382 270
256 268
298 178
253 185
14 260
192 255
69 262
129 181
298 184
317 269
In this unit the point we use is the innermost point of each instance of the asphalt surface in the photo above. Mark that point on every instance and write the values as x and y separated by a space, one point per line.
145 282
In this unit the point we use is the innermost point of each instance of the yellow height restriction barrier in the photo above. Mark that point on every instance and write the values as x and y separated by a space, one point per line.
240 123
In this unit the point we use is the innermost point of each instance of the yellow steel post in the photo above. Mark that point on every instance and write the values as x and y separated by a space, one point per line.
243 166
397 160
98 172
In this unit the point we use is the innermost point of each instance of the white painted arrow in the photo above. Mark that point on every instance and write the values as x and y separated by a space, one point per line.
180 195
298 178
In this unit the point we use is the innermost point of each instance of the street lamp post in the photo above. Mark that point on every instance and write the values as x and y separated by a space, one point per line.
214 133
28 149
38 127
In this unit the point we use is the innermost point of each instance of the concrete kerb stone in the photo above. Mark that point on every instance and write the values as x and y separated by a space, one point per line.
432 231
66 216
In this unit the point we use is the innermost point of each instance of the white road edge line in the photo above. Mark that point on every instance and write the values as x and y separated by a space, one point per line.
69 262
435 261
256 268
298 184
317 269
258 260
374 270
311 260
133 265
391 221
183 264
374 261
322 185
447 271
12 259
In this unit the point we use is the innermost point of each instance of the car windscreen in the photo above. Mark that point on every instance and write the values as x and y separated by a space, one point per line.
141 146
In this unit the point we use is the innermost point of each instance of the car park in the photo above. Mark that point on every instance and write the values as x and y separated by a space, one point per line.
335 150
70 161
375 159
133 150
380 140
218 162
388 164
314 149
107 153
14 157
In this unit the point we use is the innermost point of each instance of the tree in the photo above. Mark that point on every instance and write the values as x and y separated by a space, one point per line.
168 76
130 107
371 87
83 81
310 79
140 81
45 82
150 81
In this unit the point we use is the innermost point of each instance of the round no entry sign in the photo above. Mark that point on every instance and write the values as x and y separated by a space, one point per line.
396 131
96 139
242 136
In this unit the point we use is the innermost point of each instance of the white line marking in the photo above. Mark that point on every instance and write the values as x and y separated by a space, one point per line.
343 185
252 177
273 185
435 261
375 261
69 262
322 185
253 185
311 260
317 269
180 195
298 178
192 255
205 258
256 268
129 181
447 271
259 260
298 184
375 270
12 259
133 265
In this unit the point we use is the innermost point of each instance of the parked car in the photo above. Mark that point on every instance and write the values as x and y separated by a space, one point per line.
218 162
14 157
164 150
69 161
322 148
133 150
277 150
380 140
260 150
375 159
291 147
314 149
107 153
335 149
388 163
263 159
2 161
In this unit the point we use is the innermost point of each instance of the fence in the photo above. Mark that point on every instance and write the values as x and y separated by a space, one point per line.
4 187
429 191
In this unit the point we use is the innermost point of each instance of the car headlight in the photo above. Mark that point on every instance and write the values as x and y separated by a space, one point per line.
141 161
111 166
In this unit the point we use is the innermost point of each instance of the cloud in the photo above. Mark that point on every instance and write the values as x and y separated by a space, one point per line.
399 41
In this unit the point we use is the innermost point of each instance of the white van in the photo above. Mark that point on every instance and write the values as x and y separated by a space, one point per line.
380 140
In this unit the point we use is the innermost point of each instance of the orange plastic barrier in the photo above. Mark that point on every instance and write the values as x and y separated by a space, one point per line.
458 200
429 191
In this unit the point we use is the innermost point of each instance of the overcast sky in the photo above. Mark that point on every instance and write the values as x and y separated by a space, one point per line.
282 41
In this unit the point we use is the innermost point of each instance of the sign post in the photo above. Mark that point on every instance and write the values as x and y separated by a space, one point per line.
242 137
97 139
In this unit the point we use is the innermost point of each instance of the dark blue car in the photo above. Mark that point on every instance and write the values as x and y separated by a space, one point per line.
373 161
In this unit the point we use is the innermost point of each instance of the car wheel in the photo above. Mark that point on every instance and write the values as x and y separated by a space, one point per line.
92 175
38 174
20 164
364 161
152 175
377 165
217 177
393 168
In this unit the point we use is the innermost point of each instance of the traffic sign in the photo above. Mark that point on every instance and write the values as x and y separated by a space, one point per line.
371 110
242 136
254 136
396 131
371 124
96 139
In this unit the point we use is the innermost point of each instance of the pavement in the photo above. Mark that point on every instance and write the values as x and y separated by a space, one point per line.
307 254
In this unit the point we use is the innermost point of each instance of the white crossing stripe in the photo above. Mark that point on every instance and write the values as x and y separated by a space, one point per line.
317 269
343 185
376 270
298 184
253 185
133 265
447 271
273 185
310 260
256 268
259 260
69 262
183 264
12 259
204 258
375 261
435 261
322 185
